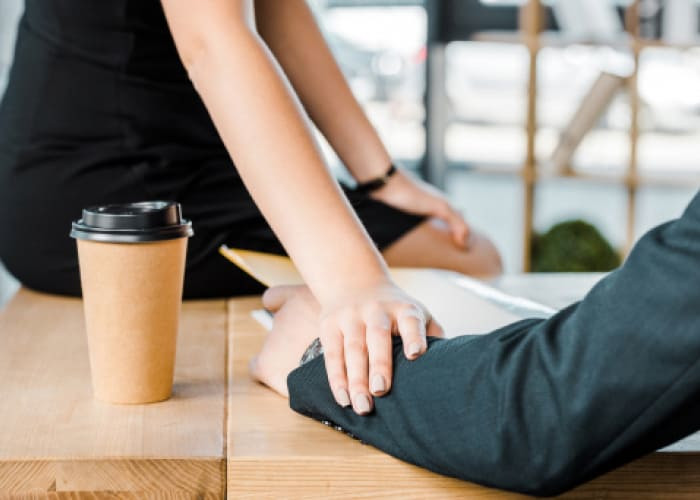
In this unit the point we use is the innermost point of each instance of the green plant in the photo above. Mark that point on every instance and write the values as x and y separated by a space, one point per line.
572 246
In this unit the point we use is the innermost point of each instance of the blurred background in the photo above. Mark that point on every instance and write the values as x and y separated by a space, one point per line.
527 113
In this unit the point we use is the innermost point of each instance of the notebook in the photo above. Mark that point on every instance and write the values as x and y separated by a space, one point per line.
462 305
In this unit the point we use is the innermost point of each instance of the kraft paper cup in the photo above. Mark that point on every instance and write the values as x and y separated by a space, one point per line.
132 264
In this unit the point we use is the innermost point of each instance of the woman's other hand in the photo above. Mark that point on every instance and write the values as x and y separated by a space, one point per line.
355 334
413 195
295 327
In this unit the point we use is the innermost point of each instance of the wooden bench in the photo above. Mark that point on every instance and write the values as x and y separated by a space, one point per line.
220 433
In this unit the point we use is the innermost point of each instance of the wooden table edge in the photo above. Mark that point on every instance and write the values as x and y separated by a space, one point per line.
142 476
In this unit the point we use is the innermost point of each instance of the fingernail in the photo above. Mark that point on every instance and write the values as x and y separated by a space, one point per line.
378 384
414 349
362 404
342 397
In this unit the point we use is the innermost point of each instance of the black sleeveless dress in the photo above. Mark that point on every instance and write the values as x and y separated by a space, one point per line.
98 110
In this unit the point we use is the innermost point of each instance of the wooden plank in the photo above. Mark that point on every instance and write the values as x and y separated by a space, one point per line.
55 433
530 27
273 452
142 478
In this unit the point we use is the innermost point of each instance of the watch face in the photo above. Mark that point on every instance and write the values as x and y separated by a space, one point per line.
314 350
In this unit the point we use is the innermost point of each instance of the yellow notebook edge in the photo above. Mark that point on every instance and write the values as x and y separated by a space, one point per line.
232 256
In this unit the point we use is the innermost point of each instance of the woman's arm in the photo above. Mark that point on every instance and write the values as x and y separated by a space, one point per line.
541 406
289 29
263 127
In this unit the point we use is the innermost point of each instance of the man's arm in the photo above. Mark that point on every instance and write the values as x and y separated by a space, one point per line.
543 405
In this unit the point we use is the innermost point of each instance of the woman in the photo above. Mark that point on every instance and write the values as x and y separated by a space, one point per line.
538 406
129 100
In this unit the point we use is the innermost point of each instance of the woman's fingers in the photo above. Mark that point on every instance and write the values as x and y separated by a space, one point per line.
458 228
358 343
334 355
379 350
434 329
412 329
357 366
454 220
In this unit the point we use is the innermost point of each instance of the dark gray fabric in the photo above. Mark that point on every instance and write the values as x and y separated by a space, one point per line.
541 406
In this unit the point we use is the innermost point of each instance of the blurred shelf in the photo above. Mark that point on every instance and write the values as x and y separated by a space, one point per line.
500 169
650 43
532 19
612 176
669 180
548 39
373 3
556 39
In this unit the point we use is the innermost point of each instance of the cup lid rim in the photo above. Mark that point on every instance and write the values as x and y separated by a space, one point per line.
132 222
82 232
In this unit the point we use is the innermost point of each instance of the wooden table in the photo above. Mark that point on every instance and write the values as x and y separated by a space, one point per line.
56 439
221 433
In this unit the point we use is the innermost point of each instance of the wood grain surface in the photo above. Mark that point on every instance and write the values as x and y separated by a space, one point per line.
56 437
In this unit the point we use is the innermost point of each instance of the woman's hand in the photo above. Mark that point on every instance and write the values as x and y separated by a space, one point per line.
413 195
355 334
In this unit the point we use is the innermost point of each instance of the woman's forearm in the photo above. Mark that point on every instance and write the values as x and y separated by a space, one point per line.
290 31
263 127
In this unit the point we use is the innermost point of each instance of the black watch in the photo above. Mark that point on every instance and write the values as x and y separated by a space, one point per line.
374 184
314 350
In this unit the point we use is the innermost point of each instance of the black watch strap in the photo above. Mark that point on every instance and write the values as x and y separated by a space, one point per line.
374 184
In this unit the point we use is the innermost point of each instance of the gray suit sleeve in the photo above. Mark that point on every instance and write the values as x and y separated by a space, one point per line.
541 406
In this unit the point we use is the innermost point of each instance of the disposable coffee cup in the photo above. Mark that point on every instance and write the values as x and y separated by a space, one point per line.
132 266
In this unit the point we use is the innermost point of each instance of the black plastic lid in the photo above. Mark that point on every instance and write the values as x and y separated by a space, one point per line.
132 223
